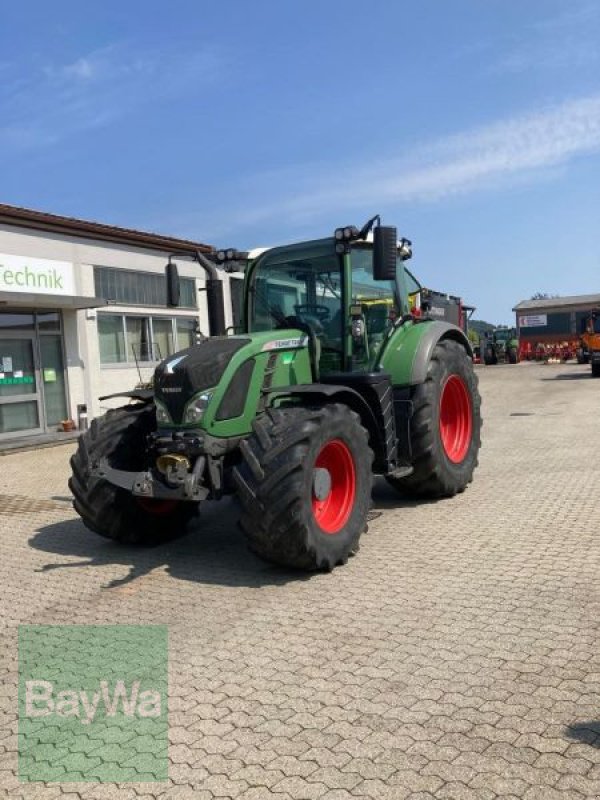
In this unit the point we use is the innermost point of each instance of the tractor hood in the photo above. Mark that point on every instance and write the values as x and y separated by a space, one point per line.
224 377
188 372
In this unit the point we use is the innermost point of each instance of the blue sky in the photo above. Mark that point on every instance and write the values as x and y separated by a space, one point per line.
472 125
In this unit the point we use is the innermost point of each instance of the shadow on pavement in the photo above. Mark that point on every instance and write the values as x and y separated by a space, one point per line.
213 552
385 496
578 376
585 732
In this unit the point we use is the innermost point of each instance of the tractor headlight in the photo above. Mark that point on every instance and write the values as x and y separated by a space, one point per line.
194 411
162 415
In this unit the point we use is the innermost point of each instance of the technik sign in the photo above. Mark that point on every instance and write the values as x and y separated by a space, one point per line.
35 275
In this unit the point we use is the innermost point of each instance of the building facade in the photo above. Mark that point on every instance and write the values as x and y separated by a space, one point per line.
83 314
553 320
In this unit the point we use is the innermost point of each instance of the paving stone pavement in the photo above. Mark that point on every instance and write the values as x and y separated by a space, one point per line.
455 657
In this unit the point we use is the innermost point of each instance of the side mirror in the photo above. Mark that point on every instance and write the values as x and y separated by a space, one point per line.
173 285
385 244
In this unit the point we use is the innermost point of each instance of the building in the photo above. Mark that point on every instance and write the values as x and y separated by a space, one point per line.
83 314
553 320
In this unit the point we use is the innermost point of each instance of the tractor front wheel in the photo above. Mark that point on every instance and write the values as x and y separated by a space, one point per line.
305 486
445 426
490 358
120 437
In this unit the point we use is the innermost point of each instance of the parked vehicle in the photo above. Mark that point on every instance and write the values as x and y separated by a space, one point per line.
501 346
588 350
297 413
590 342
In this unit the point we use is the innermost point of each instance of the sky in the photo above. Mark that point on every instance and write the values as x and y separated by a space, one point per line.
471 125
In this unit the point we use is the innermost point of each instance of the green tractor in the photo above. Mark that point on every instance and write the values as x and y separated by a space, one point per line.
295 414
501 346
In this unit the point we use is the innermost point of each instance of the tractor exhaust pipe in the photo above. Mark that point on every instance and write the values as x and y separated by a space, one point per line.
214 290
216 308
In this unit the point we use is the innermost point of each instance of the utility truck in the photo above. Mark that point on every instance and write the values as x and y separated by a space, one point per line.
296 414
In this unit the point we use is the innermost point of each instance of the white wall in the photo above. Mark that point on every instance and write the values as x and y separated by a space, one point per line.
87 378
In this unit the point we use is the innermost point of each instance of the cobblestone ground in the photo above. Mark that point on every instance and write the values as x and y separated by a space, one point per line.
455 657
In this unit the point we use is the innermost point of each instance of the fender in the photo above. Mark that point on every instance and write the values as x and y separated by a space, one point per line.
333 393
410 368
145 395
435 333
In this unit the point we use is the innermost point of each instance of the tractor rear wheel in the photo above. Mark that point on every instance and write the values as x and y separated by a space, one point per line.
596 370
120 437
513 355
445 427
305 486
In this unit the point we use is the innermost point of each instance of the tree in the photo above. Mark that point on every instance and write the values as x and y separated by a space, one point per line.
543 296
473 336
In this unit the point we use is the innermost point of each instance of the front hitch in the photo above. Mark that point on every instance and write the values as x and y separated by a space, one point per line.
149 485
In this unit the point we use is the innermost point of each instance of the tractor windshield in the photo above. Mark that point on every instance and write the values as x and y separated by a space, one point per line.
301 287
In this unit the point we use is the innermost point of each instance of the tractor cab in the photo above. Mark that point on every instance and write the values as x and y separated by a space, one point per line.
590 342
337 297
592 323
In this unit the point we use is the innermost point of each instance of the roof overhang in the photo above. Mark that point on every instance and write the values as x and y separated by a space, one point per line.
29 300
71 226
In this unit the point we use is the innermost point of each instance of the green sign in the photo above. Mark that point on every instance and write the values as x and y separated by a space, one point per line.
10 381
93 703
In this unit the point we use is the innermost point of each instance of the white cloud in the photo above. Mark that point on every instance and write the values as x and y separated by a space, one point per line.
82 68
60 100
515 149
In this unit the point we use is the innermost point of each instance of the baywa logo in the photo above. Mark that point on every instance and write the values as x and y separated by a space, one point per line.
40 701
93 703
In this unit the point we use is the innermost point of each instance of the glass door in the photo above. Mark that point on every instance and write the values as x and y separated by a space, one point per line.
53 379
19 385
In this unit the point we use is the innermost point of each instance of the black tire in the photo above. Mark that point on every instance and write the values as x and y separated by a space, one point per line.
596 370
112 512
490 358
435 475
513 356
275 486
580 356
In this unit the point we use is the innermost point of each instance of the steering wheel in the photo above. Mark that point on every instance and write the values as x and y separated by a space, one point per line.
322 313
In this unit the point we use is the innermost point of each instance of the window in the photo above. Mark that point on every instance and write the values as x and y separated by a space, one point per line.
127 339
301 287
236 287
112 339
163 338
134 288
186 333
139 339
378 300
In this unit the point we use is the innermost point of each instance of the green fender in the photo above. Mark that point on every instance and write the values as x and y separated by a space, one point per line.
407 353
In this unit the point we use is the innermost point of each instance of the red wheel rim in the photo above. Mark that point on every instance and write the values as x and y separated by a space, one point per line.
159 507
333 512
456 419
